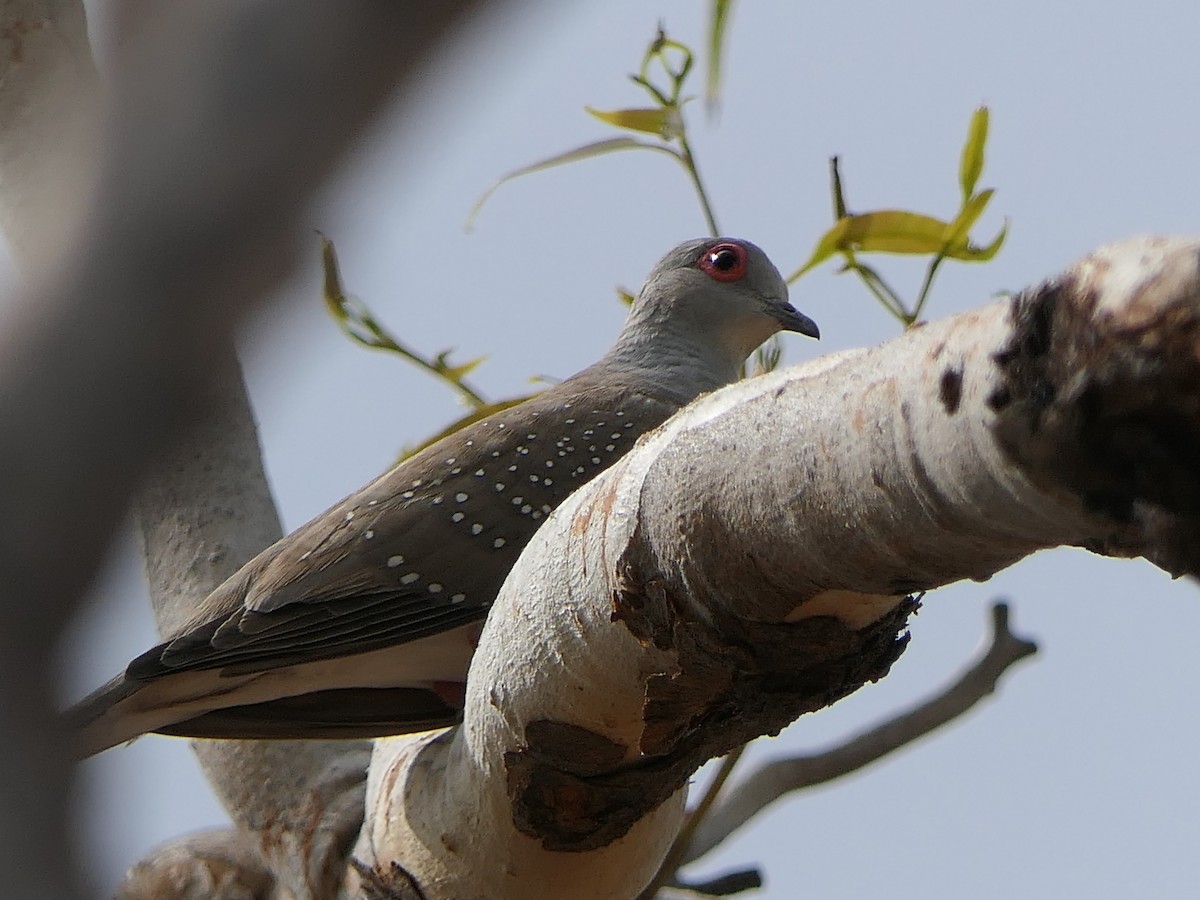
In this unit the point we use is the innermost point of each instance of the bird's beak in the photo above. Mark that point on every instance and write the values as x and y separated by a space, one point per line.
791 319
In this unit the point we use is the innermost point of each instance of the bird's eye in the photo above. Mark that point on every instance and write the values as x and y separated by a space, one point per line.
725 261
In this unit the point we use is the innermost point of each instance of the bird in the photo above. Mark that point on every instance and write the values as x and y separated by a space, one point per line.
362 622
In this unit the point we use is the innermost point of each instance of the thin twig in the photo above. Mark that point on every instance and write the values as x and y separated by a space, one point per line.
778 778
692 822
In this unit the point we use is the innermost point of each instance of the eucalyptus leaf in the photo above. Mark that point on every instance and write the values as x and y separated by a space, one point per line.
971 166
587 151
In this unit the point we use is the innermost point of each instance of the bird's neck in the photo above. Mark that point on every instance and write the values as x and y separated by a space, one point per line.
683 367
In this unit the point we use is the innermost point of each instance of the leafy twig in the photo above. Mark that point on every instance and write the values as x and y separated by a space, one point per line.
358 322
907 232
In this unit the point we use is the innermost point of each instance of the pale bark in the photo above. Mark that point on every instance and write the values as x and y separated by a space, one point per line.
204 511
751 561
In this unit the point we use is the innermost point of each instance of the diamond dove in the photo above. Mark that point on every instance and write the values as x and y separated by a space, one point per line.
362 622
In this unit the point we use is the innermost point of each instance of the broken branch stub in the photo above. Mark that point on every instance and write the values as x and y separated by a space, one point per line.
1100 395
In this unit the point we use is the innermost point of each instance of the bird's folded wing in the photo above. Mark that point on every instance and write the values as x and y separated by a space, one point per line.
421 550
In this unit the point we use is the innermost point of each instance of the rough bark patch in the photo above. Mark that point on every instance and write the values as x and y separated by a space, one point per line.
733 681
1108 408
553 784
950 389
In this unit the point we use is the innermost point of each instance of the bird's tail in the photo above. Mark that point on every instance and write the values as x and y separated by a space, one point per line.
96 722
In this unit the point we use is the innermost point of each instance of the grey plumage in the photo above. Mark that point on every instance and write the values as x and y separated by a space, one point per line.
362 622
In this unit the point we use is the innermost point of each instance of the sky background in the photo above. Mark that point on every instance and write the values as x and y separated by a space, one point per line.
1077 779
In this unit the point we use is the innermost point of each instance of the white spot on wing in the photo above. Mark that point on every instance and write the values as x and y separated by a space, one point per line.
410 578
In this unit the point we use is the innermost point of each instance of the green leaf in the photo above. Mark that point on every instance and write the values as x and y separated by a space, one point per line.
968 216
660 121
475 415
461 371
972 153
587 151
884 231
971 253
899 231
332 291
625 296
718 23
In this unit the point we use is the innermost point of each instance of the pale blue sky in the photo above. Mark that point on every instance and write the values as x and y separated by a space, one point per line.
1077 778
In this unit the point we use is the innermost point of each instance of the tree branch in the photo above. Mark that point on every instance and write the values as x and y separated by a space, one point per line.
205 510
754 558
224 117
210 865
773 780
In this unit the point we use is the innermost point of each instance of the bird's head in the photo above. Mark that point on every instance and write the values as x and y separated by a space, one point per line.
722 296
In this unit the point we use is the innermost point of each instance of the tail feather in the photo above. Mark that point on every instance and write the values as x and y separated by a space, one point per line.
95 722
104 719
394 690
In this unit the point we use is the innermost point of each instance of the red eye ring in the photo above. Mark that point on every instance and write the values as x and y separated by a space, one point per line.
725 261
